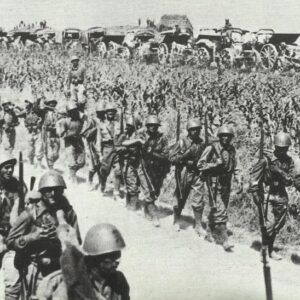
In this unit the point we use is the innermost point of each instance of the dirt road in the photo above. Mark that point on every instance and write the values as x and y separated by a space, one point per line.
162 264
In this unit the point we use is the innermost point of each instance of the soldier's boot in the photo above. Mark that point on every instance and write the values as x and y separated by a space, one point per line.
116 195
133 202
176 216
272 254
208 237
226 243
91 187
73 176
151 213
198 222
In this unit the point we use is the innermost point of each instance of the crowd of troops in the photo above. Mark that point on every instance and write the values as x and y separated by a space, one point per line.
41 249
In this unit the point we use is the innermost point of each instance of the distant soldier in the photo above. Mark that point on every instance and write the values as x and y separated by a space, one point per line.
9 121
92 275
51 138
186 156
109 131
154 167
218 164
70 130
33 124
9 198
76 79
33 235
276 171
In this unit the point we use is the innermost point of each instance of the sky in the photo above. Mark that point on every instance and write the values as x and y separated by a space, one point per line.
280 15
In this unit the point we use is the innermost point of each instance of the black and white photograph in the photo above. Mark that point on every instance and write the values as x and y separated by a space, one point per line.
149 150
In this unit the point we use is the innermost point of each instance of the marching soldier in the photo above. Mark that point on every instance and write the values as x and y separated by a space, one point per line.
218 164
70 129
9 121
92 274
9 197
189 151
33 124
91 131
76 80
109 131
276 171
33 235
51 138
153 167
128 148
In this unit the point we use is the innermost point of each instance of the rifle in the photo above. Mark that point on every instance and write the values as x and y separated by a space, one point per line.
262 222
21 185
211 196
177 168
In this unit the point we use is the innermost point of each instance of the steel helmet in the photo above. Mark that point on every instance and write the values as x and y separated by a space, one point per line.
74 57
152 120
282 139
194 123
71 106
100 107
111 106
130 121
102 239
225 130
51 179
7 158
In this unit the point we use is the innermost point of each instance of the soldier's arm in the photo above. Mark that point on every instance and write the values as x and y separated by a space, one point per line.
209 159
72 220
257 175
18 237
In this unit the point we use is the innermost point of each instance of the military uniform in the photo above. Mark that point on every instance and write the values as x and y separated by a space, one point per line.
128 148
277 173
109 131
70 129
36 258
76 80
33 124
9 203
186 156
9 121
51 138
153 169
219 164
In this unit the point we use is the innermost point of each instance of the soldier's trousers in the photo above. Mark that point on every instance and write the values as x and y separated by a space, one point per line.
221 187
12 280
131 178
276 217
9 139
76 155
193 190
34 146
116 169
77 92
52 150
150 186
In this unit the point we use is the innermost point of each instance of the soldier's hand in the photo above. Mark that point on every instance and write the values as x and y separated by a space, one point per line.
44 232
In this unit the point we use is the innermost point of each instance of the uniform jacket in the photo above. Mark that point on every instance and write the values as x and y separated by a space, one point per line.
27 223
275 173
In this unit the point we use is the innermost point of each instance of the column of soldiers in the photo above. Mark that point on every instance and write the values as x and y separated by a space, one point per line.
40 243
